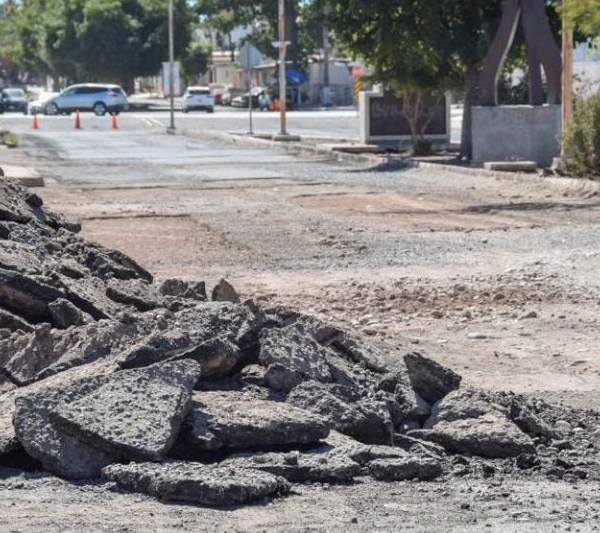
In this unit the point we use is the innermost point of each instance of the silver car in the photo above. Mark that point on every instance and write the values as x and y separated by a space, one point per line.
95 97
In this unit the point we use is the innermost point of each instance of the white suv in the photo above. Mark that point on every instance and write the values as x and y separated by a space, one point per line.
94 97
198 98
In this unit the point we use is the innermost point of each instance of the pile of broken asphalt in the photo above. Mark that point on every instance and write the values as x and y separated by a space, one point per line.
166 390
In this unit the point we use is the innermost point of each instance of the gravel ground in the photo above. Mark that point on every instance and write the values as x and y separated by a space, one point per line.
496 278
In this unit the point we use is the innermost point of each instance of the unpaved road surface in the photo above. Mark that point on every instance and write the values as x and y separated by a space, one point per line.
497 278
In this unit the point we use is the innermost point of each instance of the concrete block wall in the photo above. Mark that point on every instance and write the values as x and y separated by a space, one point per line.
513 133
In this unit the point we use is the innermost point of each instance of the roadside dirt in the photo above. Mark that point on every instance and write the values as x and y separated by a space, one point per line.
496 278
504 319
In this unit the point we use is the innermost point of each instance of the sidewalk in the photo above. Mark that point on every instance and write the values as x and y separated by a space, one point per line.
351 151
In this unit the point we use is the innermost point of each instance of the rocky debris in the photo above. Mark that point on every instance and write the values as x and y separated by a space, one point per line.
98 362
219 357
489 436
398 384
345 410
76 429
136 293
421 468
530 423
233 420
46 351
135 414
12 322
197 483
42 439
300 467
478 423
182 289
6 385
463 404
292 356
324 333
43 261
224 292
429 379
364 353
74 375
27 296
64 314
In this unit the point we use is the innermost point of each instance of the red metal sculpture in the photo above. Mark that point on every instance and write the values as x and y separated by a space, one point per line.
542 51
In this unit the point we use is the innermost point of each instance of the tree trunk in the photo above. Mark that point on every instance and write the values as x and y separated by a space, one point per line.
128 85
466 143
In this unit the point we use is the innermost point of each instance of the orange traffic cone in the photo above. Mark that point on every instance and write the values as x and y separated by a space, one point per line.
77 120
113 122
36 124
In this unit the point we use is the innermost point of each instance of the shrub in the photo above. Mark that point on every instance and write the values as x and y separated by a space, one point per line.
581 141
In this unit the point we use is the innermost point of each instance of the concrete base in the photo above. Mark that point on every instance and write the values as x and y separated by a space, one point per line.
511 166
286 138
510 133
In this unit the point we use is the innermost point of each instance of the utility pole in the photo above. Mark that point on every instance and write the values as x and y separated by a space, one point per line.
282 87
567 75
325 93
171 69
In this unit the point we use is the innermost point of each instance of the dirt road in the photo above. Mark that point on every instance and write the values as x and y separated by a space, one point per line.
494 277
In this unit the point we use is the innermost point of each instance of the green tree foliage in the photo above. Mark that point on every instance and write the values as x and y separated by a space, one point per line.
196 61
417 45
581 141
223 16
583 15
93 40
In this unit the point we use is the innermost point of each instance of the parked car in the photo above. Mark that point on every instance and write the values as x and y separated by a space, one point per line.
96 97
226 98
242 100
198 98
217 91
13 99
37 106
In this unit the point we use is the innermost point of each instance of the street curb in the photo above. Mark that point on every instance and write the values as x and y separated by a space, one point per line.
291 147
580 186
566 184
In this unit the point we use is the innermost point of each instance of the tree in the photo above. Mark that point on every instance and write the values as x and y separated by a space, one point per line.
195 61
419 45
224 16
93 40
583 15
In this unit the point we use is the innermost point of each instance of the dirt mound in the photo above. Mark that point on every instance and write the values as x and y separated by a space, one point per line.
105 373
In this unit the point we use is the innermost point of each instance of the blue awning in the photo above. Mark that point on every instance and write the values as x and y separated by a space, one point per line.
294 76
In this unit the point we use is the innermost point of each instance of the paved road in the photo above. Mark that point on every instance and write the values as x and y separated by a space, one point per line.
137 152
344 123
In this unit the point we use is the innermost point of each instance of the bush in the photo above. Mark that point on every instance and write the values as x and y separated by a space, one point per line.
581 141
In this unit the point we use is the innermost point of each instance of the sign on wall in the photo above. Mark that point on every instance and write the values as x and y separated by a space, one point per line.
383 120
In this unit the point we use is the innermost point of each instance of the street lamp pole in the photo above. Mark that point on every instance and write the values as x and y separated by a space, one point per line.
282 87
171 68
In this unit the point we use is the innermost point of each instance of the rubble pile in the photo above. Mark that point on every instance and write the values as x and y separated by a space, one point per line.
156 387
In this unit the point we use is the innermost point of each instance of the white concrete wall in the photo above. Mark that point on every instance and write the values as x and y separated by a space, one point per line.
341 83
516 133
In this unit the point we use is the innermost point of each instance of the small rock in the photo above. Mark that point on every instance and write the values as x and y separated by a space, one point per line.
224 292
421 468
530 314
